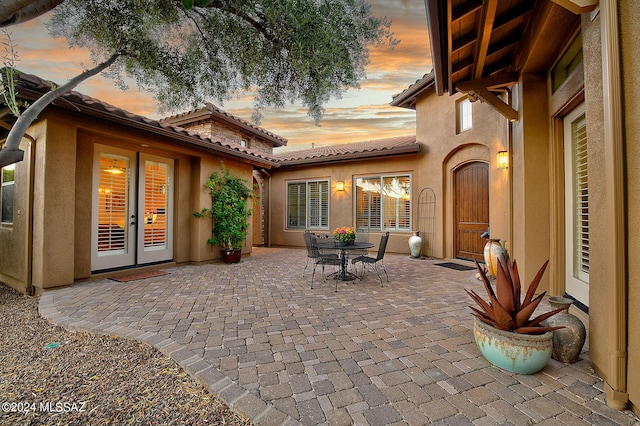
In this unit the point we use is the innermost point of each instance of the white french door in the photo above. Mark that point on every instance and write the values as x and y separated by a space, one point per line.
132 220
576 205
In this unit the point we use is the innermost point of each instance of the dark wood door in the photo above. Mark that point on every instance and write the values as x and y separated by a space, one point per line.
471 209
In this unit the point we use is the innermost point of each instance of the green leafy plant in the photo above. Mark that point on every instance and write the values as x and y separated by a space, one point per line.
505 310
229 195
344 234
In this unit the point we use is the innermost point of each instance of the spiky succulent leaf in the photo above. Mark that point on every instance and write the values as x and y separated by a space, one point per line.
504 288
485 280
542 317
534 284
523 316
486 307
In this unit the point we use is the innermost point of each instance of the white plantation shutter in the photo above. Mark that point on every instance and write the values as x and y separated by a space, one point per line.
113 203
318 204
155 204
296 205
580 200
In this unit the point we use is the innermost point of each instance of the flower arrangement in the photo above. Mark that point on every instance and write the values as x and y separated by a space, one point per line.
344 234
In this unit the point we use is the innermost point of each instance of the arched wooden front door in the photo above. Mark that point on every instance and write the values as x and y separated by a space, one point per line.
471 209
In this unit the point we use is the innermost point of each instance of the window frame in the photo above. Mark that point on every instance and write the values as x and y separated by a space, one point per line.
464 114
4 191
308 210
382 205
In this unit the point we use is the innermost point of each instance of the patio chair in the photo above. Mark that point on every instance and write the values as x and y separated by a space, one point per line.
321 258
362 235
369 260
307 243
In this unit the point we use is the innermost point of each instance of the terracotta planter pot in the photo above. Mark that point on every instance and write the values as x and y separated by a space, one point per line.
518 353
231 255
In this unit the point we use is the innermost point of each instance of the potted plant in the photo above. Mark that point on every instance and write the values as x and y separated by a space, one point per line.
229 195
344 235
504 331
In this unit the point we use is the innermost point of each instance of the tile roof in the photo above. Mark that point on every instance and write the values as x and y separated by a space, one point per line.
350 151
32 87
407 98
212 110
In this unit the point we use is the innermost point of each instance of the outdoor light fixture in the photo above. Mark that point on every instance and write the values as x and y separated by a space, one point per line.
503 160
340 186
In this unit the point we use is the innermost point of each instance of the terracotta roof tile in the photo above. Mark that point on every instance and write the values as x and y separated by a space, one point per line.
211 109
355 150
32 87
407 98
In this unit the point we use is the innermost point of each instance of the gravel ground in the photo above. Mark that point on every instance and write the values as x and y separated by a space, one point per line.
51 376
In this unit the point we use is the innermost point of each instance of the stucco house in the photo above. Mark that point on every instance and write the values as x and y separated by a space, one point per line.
101 189
561 77
548 83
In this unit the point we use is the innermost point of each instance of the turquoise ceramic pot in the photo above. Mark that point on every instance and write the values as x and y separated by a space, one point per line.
518 353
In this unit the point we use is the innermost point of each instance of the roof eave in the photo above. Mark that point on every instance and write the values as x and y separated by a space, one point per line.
410 149
193 139
407 98
436 23
248 128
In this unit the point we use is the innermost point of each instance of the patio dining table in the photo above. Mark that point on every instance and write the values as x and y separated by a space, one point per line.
344 275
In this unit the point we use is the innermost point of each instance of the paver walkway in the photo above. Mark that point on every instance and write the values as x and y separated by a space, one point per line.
280 353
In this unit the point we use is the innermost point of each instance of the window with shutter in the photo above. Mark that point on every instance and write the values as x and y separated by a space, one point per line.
383 203
576 206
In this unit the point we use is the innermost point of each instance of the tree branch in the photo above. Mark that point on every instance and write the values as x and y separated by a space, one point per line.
222 6
17 11
11 153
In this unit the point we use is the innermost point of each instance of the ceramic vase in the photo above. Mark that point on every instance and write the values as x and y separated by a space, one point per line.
492 250
567 341
518 353
415 244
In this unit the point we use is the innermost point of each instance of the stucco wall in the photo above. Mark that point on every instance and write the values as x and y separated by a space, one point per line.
630 42
341 203
599 293
61 194
445 150
14 267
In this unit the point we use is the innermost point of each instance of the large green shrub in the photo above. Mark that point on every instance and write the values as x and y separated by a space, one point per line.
229 195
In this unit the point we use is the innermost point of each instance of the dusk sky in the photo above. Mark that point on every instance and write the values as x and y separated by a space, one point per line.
360 115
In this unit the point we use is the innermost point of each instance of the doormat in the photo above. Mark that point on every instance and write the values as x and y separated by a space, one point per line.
456 266
138 276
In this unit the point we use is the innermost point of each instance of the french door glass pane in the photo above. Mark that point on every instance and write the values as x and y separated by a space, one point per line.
156 204
113 203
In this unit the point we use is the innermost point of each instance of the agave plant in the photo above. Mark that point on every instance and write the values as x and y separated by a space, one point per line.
505 309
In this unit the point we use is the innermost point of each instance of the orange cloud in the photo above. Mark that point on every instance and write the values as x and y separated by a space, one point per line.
359 115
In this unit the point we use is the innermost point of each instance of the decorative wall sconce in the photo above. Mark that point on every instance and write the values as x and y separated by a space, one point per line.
340 186
503 160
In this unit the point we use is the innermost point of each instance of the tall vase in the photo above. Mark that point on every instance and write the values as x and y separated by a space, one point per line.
567 341
415 244
492 250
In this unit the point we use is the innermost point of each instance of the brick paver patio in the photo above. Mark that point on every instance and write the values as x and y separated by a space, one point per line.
278 352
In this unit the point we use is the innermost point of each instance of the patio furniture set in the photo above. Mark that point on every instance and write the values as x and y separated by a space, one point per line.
325 251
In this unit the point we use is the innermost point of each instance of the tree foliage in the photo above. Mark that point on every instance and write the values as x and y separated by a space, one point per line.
189 52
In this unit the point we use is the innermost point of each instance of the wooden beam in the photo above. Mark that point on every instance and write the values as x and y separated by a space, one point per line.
481 88
577 6
489 97
484 35
492 82
465 9
459 66
464 41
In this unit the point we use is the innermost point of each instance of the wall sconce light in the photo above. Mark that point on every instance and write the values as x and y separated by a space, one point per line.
340 186
503 160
